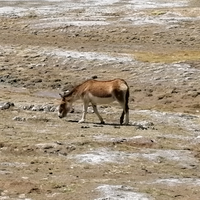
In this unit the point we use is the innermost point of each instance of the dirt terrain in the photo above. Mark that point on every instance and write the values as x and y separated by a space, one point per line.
47 47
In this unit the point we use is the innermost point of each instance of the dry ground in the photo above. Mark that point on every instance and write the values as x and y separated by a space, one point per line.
157 53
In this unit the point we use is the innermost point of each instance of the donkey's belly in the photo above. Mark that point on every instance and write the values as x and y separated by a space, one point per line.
101 100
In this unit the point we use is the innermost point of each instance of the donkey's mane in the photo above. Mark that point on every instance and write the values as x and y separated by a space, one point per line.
68 94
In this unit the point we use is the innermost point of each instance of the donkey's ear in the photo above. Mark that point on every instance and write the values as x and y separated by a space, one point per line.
64 94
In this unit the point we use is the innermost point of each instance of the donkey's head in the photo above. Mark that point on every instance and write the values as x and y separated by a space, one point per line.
64 107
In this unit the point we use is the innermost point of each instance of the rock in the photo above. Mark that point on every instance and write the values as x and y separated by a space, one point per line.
6 105
94 77
37 108
27 107
47 108
37 80
85 127
71 148
46 145
53 109
57 80
14 80
144 125
17 118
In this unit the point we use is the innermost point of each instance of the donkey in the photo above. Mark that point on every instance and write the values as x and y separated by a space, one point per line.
97 92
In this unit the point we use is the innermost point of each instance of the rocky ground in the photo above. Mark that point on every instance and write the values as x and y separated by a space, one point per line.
47 47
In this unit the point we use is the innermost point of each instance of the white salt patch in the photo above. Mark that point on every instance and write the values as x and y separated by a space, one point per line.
178 181
89 55
136 137
59 53
101 156
14 164
90 7
29 9
117 192
146 4
175 73
167 18
56 6
103 137
104 155
136 3
102 2
181 156
60 24
46 145
12 11
186 122
5 172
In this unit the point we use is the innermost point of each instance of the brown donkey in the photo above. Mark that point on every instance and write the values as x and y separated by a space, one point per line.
97 92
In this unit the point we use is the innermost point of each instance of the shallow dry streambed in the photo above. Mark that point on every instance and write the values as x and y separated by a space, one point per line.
47 47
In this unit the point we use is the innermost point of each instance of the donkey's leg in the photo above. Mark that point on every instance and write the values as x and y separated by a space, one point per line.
122 117
124 112
85 107
126 106
97 113
126 109
127 115
122 98
119 96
